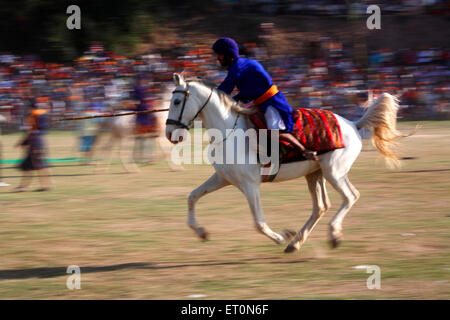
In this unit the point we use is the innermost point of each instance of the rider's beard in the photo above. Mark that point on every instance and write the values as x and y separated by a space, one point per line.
225 62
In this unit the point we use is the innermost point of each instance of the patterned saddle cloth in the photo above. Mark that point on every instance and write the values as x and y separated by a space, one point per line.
316 129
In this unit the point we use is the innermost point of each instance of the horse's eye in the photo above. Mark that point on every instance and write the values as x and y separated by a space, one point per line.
176 102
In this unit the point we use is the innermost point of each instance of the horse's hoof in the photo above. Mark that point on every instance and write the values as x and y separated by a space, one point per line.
203 234
290 248
334 243
289 234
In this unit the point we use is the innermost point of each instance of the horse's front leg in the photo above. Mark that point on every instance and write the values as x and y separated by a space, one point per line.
251 192
214 183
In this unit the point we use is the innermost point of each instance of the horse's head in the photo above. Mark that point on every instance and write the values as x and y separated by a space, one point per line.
186 104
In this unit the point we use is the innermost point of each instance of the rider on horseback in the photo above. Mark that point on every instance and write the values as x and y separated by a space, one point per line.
255 84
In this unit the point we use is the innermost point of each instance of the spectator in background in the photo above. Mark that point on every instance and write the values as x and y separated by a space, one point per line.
2 184
38 123
88 133
144 121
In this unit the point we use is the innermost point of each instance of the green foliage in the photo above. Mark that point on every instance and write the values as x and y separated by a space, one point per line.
39 27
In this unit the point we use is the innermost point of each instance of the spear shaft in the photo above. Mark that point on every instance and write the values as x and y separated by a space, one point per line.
112 115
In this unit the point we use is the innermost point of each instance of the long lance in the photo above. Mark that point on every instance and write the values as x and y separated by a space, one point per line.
112 115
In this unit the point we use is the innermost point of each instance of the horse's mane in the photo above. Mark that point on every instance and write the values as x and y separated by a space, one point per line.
226 99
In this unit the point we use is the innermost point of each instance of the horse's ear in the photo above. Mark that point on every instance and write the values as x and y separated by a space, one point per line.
178 79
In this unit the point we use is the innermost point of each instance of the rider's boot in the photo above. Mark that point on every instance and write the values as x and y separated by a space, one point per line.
308 154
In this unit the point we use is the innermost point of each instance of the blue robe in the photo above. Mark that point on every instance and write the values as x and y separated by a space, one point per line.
253 81
35 158
141 118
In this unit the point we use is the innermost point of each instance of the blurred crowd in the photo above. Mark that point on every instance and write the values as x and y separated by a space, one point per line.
340 78
338 8
335 77
97 82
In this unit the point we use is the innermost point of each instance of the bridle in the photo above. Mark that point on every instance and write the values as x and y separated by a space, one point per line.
186 96
181 124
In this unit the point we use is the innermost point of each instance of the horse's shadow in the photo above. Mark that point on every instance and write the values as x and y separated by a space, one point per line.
52 272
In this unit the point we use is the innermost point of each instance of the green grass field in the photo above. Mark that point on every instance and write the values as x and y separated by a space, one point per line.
128 232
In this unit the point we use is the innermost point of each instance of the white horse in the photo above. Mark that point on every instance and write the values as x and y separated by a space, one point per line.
219 111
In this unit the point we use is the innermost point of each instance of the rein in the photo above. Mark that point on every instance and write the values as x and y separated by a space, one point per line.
234 127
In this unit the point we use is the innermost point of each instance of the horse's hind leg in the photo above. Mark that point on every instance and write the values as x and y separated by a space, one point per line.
349 195
355 191
215 182
321 203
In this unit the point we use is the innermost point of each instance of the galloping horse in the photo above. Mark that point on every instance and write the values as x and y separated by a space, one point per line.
219 111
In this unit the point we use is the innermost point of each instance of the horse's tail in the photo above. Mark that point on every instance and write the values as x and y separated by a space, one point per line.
381 116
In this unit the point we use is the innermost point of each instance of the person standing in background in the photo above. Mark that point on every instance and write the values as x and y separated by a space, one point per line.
89 130
144 121
38 123
2 184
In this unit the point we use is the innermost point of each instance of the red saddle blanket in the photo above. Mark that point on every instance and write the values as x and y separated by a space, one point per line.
316 129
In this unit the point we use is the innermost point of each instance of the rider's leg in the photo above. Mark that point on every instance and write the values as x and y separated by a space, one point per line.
308 154
275 121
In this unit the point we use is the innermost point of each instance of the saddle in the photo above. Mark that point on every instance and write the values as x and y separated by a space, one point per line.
316 129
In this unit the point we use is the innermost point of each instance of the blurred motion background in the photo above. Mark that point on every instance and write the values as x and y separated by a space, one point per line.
320 53
128 232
